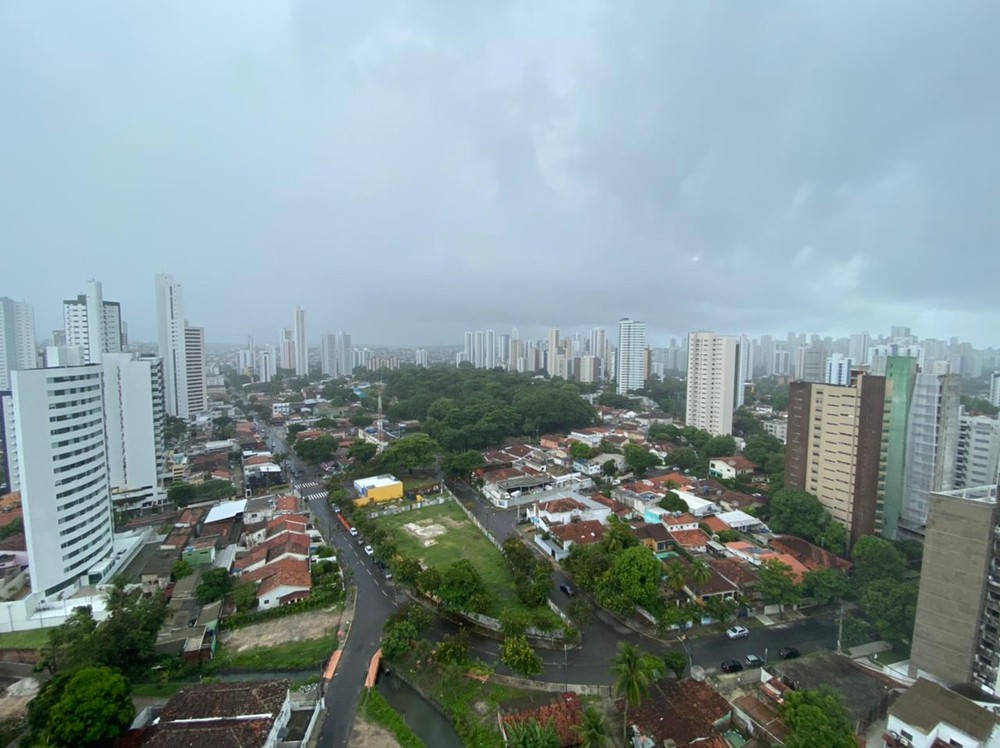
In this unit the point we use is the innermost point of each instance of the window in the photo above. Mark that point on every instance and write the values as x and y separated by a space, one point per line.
906 735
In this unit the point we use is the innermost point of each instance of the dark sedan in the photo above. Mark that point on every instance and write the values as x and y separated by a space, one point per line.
732 666
788 653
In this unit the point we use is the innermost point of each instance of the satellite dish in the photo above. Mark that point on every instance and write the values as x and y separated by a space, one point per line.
697 673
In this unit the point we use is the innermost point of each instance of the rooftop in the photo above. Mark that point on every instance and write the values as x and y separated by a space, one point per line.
684 711
222 700
582 533
925 704
564 709
226 510
864 693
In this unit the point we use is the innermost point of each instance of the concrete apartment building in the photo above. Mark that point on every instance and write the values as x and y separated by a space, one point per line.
172 339
834 447
196 368
978 459
957 633
17 338
93 324
301 348
712 382
632 358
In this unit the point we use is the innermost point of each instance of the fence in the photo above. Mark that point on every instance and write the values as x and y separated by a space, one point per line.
408 507
583 689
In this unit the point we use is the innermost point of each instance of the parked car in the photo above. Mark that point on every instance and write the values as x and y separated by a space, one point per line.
754 661
567 589
731 666
369 550
387 572
738 632
788 653
354 531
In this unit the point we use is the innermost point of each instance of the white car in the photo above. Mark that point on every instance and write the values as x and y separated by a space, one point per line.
354 532
369 550
737 632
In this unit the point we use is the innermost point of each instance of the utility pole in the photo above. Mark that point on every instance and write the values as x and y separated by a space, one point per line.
840 627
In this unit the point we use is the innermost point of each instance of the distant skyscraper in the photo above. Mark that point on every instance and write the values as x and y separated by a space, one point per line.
978 451
93 324
420 357
17 338
479 349
631 374
858 347
712 382
995 389
194 359
744 369
172 342
345 358
266 362
301 347
809 363
838 369
552 357
54 424
286 347
328 354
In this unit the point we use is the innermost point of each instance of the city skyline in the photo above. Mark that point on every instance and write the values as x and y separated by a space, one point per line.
512 166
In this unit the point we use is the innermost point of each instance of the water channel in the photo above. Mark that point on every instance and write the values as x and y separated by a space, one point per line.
428 723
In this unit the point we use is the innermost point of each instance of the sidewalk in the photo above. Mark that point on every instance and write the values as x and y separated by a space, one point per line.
787 617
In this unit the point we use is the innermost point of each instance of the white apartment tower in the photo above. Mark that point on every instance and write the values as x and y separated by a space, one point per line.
196 366
55 425
838 369
631 373
301 349
172 341
286 349
712 382
93 324
17 338
328 354
135 422
552 357
995 389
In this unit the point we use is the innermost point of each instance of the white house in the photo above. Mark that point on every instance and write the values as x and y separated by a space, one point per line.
563 508
728 468
929 715
698 506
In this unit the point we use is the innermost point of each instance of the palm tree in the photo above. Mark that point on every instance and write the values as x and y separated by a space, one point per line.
530 734
634 672
699 574
593 733
676 576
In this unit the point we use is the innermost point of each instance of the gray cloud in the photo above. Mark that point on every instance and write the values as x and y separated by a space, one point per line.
410 170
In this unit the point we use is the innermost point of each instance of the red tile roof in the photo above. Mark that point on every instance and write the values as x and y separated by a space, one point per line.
683 711
690 538
678 479
257 460
684 519
290 572
739 573
715 524
811 556
564 709
737 462
286 504
581 533
560 506
292 522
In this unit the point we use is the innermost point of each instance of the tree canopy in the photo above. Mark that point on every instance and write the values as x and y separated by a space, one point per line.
95 708
639 459
816 718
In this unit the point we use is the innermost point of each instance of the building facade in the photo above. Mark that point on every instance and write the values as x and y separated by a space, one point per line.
978 459
301 348
834 447
712 382
172 344
17 338
632 360
196 366
93 324
956 637
56 427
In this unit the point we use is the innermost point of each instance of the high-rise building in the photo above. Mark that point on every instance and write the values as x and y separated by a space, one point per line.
55 425
857 348
932 437
810 363
995 389
266 360
744 369
834 447
420 357
328 354
900 380
93 324
345 358
553 353
978 451
197 370
479 349
170 333
286 347
491 349
838 369
956 637
713 381
17 338
301 347
135 426
632 372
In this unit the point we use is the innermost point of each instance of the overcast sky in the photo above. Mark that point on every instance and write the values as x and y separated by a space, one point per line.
409 170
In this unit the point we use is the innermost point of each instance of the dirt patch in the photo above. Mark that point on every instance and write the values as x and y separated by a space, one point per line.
301 627
425 530
14 702
371 735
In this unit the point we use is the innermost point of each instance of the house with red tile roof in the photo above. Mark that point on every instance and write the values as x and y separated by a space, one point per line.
714 525
687 712
809 555
284 545
281 582
727 468
756 555
564 710
676 521
577 533
693 541
654 536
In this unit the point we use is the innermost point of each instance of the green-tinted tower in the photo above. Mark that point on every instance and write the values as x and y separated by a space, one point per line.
900 376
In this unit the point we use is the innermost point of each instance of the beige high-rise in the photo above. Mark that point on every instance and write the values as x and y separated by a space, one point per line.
712 382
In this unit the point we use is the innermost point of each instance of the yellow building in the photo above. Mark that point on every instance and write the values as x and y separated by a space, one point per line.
378 488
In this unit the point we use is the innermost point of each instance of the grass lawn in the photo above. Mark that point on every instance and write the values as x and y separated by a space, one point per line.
461 540
889 657
415 484
289 656
33 639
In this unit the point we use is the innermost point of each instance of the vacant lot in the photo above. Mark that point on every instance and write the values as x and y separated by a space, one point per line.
313 624
441 535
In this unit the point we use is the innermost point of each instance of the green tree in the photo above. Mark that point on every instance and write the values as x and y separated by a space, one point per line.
609 468
126 640
699 573
826 585
464 463
514 621
833 538
719 446
214 585
429 581
798 513
411 452
776 583
816 718
579 451
633 580
722 610
638 458
729 536
874 559
588 564
580 612
672 502
361 421
406 569
94 709
592 732
676 576
891 607
520 560
181 494
634 672
461 586
517 654
618 536
675 662
318 450
70 645
684 458
245 595
181 569
362 451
